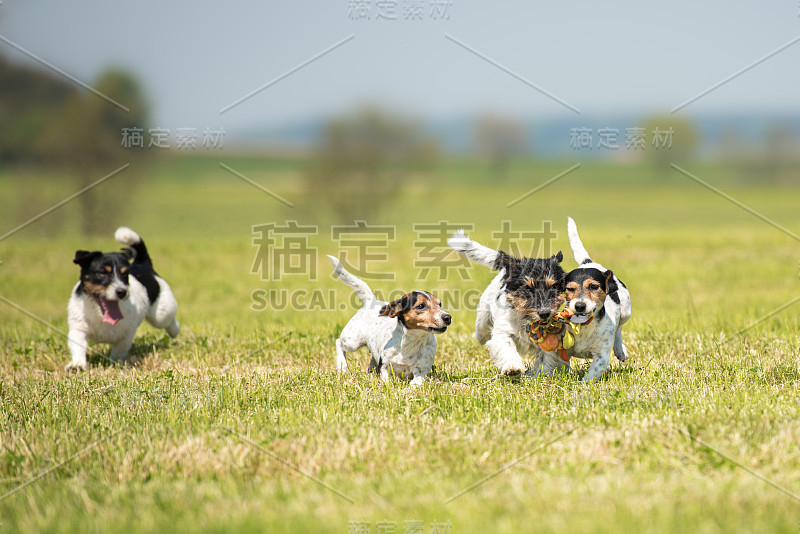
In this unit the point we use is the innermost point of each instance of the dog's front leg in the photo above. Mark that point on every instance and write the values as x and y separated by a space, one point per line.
78 346
420 375
504 354
598 366
483 325
120 349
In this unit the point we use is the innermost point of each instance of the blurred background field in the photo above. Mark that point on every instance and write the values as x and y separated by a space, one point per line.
694 259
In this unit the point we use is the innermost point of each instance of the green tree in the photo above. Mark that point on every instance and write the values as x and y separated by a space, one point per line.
49 121
29 100
86 135
362 160
499 139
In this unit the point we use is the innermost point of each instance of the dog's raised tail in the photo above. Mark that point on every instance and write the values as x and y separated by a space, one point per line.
359 286
473 250
126 236
578 250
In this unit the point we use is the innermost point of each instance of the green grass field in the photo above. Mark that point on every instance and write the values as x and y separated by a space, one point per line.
243 424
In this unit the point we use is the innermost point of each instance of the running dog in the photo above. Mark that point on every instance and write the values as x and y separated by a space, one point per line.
524 290
400 334
600 304
114 296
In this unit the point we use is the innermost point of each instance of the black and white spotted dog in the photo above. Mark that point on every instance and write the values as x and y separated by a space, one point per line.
525 290
114 296
595 294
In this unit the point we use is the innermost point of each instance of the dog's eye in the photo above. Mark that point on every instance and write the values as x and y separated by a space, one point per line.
421 306
594 287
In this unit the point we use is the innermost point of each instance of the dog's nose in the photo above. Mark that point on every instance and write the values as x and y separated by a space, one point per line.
544 313
121 292
580 306
447 319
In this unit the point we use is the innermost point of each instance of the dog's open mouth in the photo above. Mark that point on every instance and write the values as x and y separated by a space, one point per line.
579 318
441 330
111 311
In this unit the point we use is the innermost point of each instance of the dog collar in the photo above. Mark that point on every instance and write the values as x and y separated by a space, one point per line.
558 332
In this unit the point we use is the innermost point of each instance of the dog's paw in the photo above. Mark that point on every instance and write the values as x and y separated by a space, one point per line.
417 382
512 371
73 367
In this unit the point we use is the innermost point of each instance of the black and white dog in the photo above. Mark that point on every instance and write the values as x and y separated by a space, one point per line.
114 296
524 290
600 304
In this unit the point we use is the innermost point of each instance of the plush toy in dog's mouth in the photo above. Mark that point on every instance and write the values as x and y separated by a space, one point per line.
554 334
111 311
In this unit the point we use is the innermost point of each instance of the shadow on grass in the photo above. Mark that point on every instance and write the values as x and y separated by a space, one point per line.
136 356
447 376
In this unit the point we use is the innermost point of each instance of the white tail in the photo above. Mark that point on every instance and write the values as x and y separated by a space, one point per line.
126 236
359 286
578 251
472 249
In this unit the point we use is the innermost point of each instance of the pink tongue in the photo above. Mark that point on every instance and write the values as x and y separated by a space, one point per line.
111 313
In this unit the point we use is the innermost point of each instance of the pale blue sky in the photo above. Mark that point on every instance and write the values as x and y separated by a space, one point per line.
195 58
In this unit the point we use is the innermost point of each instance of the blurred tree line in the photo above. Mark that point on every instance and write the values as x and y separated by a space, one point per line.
56 127
363 160
775 160
499 139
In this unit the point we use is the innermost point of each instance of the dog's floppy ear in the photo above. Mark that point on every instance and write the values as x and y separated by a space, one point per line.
82 257
611 284
396 307
389 310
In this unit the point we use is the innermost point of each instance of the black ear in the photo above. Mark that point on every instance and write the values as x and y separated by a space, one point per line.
129 253
394 308
82 257
397 307
611 284
389 310
559 257
504 261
